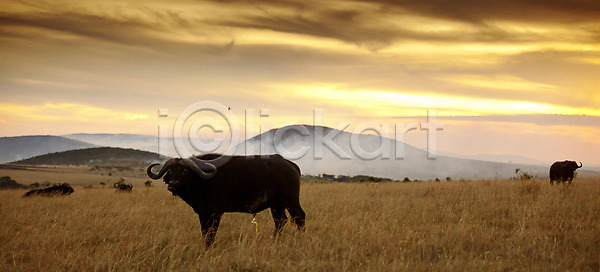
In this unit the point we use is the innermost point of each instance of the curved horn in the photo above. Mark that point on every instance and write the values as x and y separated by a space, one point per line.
580 165
162 171
197 166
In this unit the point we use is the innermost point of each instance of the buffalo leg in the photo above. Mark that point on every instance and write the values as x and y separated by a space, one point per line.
279 218
210 224
298 217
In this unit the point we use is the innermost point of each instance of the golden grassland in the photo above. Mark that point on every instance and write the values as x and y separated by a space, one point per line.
74 175
456 226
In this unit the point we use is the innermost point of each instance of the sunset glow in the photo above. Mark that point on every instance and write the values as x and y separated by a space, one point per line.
98 67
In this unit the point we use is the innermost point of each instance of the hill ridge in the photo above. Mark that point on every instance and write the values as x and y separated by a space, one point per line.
22 147
95 156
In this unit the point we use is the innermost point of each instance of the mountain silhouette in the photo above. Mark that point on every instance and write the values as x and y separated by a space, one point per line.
413 163
22 147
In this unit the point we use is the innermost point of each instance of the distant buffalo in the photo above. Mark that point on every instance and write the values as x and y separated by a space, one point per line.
123 187
58 190
562 171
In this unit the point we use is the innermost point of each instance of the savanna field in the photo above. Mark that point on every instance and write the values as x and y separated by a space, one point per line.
419 226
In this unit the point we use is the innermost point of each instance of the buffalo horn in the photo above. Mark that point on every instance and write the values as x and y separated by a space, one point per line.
580 165
197 166
162 171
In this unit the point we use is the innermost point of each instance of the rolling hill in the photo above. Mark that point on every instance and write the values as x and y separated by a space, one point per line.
414 165
22 147
95 156
136 141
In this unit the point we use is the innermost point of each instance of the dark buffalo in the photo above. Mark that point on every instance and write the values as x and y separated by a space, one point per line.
243 184
61 189
123 187
561 171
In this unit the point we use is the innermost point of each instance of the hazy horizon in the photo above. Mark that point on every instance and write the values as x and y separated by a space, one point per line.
149 143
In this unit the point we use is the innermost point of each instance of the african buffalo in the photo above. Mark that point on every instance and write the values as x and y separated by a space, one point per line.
123 187
242 184
563 171
61 189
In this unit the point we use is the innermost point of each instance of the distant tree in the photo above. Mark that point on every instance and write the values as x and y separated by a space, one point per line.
326 176
406 179
342 178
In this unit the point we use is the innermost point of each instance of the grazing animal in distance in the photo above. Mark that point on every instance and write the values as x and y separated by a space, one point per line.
242 184
123 187
57 190
562 171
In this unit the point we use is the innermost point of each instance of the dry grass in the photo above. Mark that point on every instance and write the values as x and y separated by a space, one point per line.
74 175
479 225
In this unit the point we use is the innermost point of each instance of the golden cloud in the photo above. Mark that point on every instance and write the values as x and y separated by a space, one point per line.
385 103
66 112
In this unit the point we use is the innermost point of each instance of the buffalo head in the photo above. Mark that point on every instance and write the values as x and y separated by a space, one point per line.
177 171
571 165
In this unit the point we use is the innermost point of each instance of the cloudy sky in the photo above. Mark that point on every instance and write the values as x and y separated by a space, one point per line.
506 77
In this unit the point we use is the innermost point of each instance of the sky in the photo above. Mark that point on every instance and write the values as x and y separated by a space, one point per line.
504 76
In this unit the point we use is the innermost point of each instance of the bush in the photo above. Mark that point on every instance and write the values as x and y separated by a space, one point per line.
8 183
522 175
